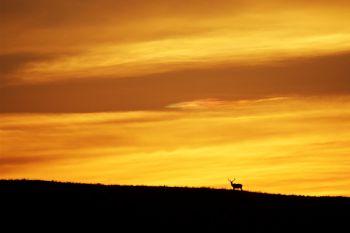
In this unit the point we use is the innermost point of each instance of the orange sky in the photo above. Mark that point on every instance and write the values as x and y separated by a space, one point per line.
177 93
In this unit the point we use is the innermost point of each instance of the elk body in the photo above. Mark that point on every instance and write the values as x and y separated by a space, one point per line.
235 185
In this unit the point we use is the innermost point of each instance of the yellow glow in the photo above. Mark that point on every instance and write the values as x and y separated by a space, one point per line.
284 145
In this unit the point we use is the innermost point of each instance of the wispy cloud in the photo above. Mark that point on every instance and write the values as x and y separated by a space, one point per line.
321 76
212 104
119 39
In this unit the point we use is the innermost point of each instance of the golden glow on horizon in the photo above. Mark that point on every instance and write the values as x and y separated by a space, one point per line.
284 145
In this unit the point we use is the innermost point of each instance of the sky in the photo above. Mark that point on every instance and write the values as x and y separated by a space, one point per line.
178 93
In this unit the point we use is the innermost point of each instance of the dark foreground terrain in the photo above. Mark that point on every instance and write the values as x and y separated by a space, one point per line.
50 206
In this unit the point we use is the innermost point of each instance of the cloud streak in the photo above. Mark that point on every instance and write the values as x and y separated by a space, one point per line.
299 77
117 39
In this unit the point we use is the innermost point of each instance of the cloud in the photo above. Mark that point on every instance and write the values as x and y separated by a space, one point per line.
12 62
320 76
117 38
212 104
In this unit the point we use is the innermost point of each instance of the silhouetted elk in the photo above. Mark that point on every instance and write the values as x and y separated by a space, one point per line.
234 185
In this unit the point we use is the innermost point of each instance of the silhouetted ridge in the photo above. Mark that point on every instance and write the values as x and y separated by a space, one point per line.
144 207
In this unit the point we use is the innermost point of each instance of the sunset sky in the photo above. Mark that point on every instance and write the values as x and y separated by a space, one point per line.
177 93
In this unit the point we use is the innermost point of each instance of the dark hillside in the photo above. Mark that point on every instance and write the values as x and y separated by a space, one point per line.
32 204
